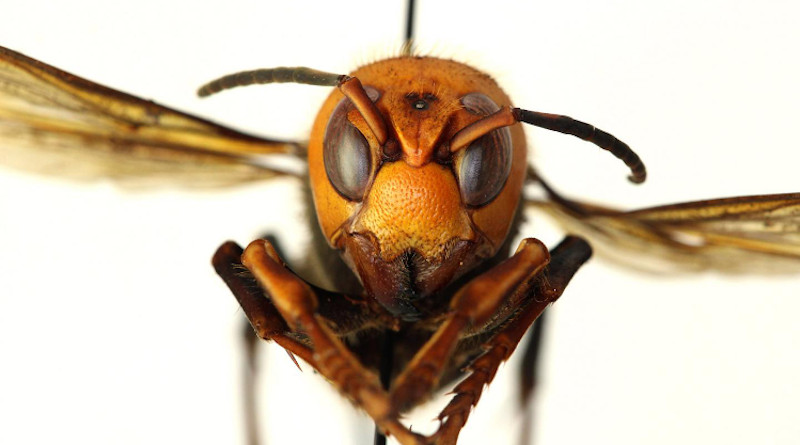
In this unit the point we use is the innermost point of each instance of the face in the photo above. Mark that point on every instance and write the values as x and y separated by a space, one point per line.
410 216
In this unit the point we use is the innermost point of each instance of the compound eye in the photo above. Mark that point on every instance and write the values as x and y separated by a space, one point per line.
485 167
346 152
486 163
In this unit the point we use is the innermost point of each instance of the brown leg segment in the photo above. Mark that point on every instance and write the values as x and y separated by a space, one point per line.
264 319
473 306
226 261
260 311
297 304
541 291
329 356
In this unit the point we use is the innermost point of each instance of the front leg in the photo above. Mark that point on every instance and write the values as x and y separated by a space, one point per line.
473 307
261 313
540 291
298 305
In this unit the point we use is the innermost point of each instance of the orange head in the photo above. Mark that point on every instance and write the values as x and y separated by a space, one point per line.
409 210
416 168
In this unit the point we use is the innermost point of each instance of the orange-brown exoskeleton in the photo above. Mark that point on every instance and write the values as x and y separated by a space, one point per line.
410 213
416 167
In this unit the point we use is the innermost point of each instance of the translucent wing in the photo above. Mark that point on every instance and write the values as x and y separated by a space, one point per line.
55 123
744 234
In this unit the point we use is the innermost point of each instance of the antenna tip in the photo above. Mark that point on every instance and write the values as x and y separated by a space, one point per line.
637 179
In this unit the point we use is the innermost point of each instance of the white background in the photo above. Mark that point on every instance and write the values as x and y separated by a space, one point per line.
114 328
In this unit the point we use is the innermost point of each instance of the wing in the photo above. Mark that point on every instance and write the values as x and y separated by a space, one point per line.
758 234
56 123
